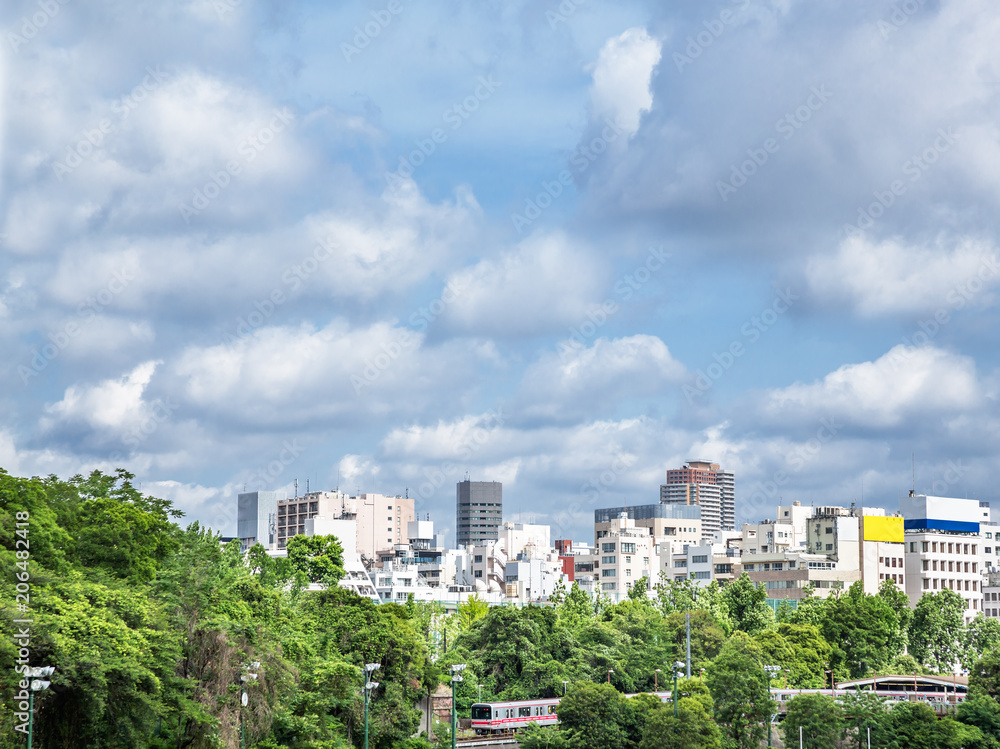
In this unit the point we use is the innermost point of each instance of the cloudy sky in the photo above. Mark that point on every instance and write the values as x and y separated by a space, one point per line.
565 246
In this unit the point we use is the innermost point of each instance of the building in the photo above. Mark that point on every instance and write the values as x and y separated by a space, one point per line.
670 522
256 518
706 485
626 555
479 512
944 548
380 521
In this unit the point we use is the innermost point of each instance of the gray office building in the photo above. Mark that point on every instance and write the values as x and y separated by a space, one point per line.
256 518
479 512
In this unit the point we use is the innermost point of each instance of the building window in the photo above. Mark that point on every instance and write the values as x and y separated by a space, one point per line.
608 573
829 530
699 559
680 563
701 575
607 560
923 564
748 567
829 547
628 548
923 546
608 548
479 558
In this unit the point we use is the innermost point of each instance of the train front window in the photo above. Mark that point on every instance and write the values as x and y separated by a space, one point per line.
481 712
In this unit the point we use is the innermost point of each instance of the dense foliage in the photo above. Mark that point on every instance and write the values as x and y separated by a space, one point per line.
152 628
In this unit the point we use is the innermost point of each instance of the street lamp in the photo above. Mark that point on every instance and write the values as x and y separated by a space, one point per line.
564 687
656 680
772 671
370 668
480 697
610 671
37 684
246 676
455 678
677 666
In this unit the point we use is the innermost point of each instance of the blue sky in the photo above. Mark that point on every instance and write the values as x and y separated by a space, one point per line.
565 246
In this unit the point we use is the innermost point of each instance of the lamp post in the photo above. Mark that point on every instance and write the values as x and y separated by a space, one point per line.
772 671
38 684
455 679
610 671
246 676
370 668
656 680
564 687
479 697
677 666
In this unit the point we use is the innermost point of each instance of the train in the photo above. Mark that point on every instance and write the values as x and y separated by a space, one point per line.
509 717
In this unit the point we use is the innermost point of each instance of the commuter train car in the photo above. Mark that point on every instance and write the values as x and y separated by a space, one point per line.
503 717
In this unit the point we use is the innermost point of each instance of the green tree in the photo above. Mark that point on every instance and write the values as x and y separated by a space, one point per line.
985 674
810 609
982 712
820 717
937 631
595 716
861 628
693 728
746 604
739 687
982 635
320 559
811 654
865 712
707 637
471 610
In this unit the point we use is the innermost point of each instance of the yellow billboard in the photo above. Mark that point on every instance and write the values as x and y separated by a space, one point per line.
883 529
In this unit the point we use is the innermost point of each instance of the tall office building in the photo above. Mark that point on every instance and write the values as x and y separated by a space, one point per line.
708 486
479 512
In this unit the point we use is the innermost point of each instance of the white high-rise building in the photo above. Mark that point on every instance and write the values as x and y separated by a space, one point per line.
944 548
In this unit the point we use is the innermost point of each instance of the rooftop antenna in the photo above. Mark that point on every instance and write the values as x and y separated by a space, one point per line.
307 485
913 474
407 492
297 488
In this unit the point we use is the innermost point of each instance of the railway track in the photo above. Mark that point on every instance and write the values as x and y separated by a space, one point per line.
486 741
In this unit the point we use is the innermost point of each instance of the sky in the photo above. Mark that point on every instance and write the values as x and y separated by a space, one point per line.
386 245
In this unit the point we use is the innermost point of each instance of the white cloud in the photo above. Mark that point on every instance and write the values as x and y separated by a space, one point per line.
904 383
579 381
547 282
110 405
891 277
621 78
